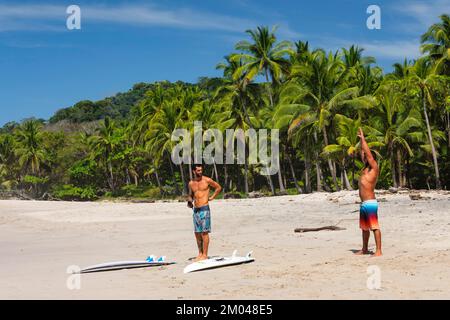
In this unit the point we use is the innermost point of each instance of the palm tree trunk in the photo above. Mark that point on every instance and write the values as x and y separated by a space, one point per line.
127 174
225 184
173 176
183 179
347 184
307 176
215 171
247 117
280 178
393 173
430 137
448 127
299 190
246 176
190 170
408 173
353 171
269 89
157 179
399 169
318 175
269 181
330 162
111 176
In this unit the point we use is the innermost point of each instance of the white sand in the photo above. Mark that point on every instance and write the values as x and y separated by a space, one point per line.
39 240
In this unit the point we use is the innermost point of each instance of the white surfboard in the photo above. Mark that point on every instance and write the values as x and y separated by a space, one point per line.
218 262
117 265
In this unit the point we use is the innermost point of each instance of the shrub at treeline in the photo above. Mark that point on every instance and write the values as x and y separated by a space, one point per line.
121 146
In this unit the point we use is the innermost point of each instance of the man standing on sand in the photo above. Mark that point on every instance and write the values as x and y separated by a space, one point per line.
368 213
198 200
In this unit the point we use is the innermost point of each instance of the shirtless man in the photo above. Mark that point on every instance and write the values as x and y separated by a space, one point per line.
368 213
198 200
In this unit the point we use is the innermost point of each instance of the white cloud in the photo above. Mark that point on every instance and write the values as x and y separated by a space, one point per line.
392 49
44 17
284 32
380 49
31 17
21 17
423 13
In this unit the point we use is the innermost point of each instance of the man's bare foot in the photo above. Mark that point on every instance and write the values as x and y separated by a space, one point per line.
200 258
377 253
362 252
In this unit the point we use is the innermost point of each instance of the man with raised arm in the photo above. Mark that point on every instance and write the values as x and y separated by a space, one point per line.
368 213
198 200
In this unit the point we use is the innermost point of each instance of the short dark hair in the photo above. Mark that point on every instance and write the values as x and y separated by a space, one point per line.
197 165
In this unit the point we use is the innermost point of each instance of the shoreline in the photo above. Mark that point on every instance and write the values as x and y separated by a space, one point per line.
378 192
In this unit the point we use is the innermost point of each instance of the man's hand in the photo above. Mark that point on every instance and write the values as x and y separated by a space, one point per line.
190 204
360 134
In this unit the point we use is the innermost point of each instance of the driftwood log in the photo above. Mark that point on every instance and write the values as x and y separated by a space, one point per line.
334 228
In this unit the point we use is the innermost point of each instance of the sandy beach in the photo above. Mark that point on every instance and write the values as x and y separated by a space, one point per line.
40 240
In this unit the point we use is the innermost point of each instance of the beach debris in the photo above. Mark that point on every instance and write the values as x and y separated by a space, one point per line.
333 228
255 194
142 201
232 195
393 190
417 196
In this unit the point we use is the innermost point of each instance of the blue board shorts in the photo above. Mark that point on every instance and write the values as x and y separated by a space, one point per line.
202 219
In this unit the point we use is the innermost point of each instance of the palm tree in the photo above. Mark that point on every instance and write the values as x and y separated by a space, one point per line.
30 150
286 111
239 98
105 143
346 146
394 122
428 82
206 112
354 59
7 160
436 42
326 91
263 56
158 136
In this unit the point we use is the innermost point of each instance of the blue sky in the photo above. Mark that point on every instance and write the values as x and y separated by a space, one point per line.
45 67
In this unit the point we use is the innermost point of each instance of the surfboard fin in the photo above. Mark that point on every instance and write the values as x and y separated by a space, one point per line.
161 259
234 253
150 258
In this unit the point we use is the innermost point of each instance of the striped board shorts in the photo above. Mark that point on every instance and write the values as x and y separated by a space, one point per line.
368 215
